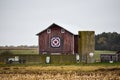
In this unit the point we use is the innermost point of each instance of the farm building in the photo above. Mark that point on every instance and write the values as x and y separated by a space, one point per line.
118 54
61 46
110 57
57 40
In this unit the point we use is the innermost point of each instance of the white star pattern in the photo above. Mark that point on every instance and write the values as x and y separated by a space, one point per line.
55 42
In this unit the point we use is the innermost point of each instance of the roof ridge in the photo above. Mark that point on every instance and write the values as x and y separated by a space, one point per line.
58 26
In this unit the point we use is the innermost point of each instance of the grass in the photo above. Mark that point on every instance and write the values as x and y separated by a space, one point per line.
21 51
96 64
24 51
53 67
35 51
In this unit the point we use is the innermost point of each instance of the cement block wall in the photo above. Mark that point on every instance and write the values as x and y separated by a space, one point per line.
41 59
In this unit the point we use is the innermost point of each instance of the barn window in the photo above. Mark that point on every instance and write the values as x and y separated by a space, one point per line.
48 30
62 31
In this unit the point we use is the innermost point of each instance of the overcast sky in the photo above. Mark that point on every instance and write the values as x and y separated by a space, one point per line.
21 20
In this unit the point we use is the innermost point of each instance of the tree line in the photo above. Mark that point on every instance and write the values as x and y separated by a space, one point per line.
107 41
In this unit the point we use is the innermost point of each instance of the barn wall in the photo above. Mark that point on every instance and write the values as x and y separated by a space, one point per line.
86 45
66 45
76 43
43 42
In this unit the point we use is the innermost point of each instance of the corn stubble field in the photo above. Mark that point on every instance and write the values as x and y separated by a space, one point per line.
69 72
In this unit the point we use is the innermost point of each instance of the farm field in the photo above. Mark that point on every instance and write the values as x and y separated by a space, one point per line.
63 72
34 51
22 51
96 71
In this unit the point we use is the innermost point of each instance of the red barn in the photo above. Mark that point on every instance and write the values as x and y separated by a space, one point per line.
56 39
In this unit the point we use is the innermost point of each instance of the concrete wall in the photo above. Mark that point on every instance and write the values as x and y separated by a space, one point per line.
41 59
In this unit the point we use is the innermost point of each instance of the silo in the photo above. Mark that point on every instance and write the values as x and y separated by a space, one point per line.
86 46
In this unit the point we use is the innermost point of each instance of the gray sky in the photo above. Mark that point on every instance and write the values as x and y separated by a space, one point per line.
21 20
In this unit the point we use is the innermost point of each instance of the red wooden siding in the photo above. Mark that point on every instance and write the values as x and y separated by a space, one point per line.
76 43
66 41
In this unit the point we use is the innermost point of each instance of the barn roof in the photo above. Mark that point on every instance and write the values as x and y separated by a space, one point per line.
61 26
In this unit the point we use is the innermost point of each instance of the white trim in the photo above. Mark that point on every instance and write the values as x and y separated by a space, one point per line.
62 30
48 30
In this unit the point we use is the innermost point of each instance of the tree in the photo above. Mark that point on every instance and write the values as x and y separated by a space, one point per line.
107 41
